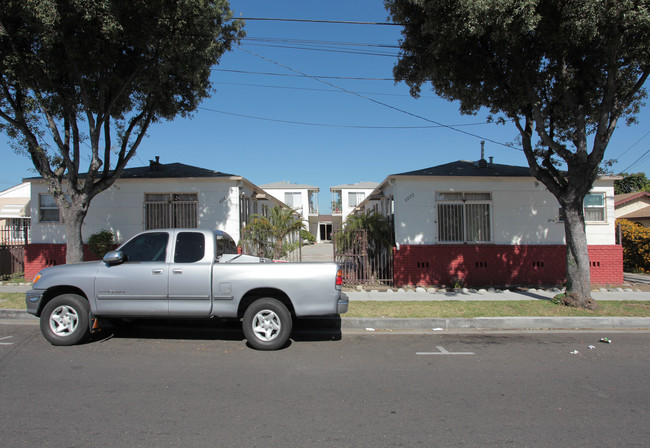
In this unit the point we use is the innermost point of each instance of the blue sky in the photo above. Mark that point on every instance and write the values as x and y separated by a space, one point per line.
268 122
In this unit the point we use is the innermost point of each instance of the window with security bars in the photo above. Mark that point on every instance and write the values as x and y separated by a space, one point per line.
170 210
464 217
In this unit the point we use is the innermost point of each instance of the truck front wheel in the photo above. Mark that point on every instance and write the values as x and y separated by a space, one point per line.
267 324
64 320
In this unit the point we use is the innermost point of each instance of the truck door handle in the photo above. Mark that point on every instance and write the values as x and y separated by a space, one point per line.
177 271
156 271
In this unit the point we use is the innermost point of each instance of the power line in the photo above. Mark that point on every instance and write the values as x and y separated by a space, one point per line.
310 89
340 22
639 160
330 125
633 145
380 102
290 75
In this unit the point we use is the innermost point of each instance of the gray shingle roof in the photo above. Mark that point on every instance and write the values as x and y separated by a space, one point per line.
164 171
470 169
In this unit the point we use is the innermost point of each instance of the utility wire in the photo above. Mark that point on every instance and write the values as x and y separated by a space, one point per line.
641 159
298 75
311 89
330 125
633 145
380 102
341 22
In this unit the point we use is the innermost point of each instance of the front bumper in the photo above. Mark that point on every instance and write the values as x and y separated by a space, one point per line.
33 300
342 307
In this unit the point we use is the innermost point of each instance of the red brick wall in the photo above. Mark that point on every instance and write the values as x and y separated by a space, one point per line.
499 265
39 256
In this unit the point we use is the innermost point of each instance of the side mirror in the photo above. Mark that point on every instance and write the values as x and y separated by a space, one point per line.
114 257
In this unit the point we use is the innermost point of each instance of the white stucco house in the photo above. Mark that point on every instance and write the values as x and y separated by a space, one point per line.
15 214
489 224
300 197
148 197
346 197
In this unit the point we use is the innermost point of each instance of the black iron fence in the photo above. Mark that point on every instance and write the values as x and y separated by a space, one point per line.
361 263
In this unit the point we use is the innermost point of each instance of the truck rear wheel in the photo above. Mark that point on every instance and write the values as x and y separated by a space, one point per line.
267 324
65 320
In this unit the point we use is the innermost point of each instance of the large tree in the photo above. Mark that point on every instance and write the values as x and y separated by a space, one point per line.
81 81
563 71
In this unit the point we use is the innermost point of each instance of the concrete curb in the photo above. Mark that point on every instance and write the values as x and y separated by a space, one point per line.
498 323
439 324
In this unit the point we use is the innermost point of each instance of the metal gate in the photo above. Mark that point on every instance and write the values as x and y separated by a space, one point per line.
361 263
12 252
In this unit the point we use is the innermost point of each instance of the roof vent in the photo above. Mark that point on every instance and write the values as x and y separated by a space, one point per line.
482 163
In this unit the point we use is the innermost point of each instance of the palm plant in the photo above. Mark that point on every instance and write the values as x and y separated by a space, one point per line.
270 235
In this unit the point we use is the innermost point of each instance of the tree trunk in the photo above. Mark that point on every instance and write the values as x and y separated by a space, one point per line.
73 217
578 289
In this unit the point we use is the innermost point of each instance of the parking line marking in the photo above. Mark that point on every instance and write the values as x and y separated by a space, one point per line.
443 351
6 343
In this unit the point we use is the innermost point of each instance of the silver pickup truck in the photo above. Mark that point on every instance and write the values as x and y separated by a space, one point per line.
184 273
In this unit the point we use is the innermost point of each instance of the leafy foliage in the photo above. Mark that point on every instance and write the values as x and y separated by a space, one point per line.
273 236
111 67
380 233
636 246
631 183
562 93
101 242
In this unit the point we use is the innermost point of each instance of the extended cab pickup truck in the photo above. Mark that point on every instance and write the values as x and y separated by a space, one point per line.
184 273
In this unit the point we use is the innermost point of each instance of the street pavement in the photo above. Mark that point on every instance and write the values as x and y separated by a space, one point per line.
351 324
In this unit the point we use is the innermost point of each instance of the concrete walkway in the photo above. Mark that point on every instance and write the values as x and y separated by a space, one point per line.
318 252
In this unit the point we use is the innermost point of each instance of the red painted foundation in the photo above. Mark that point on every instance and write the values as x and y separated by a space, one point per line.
499 265
480 265
39 256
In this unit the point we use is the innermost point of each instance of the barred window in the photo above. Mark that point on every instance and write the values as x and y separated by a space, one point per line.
171 210
464 217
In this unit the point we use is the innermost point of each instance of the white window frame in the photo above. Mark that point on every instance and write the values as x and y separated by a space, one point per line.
461 207
42 208
586 207
358 196
601 208
292 202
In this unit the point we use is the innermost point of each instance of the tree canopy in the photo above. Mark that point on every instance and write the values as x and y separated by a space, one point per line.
82 80
563 71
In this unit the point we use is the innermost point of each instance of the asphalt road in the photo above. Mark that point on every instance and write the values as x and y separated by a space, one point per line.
155 386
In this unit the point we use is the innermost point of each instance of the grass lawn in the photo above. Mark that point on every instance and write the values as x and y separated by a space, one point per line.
452 308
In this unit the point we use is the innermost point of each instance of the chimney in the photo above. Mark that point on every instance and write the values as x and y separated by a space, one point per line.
154 165
482 163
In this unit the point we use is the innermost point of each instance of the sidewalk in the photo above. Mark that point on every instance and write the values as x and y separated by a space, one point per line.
370 325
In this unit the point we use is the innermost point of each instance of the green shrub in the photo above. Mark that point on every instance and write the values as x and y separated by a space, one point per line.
636 246
101 242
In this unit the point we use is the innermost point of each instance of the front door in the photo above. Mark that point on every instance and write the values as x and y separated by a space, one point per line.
137 287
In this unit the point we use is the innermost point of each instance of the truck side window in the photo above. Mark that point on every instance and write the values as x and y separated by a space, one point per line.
190 247
146 247
225 245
